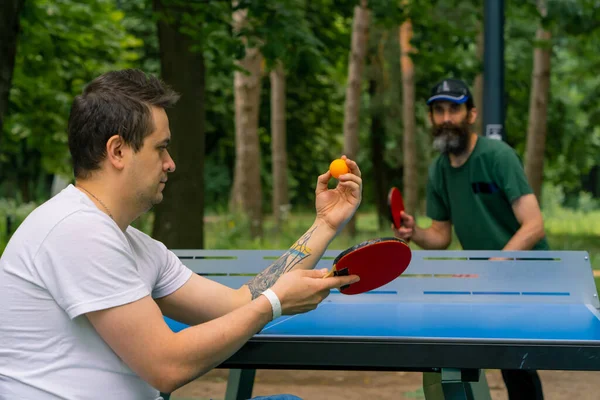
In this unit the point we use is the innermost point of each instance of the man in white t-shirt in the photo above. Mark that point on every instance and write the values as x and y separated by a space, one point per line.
83 294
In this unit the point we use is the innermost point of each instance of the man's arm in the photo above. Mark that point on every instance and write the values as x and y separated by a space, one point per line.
304 254
527 211
216 299
437 237
138 334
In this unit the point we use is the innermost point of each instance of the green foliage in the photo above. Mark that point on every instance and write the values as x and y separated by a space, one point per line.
444 38
66 43
140 22
573 139
281 31
12 214
63 45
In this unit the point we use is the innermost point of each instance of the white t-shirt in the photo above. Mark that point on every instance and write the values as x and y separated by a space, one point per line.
66 259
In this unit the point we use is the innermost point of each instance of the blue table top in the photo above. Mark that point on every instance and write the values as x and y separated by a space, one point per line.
439 322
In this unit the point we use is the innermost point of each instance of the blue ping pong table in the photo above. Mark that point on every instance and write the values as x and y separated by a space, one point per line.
451 315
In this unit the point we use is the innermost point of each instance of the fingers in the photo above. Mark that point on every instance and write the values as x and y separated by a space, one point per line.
322 182
406 220
352 180
315 273
353 166
352 176
336 282
403 232
351 186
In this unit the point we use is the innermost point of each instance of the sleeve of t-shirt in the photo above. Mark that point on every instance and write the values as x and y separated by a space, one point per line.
173 275
436 207
87 265
510 174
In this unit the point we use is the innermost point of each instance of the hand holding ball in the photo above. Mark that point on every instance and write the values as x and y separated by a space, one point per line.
338 167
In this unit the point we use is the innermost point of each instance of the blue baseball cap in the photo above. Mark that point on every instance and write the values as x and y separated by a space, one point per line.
453 90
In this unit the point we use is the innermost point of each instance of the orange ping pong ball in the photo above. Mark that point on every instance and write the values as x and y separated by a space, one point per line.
338 167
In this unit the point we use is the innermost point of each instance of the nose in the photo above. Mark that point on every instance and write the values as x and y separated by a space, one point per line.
447 117
170 164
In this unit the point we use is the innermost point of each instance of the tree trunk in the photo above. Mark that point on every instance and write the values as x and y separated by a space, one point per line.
10 12
246 196
179 219
360 34
478 85
378 81
538 108
410 180
378 148
278 146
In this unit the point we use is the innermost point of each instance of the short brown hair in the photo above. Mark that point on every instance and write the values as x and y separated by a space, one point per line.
115 103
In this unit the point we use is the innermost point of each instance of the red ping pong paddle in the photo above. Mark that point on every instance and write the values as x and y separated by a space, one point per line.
396 206
376 262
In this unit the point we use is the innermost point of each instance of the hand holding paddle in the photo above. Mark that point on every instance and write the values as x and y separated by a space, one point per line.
376 262
300 290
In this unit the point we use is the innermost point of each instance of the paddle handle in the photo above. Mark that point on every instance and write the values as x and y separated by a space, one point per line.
330 273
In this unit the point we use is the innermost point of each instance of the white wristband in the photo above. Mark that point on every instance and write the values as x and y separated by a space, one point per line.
275 303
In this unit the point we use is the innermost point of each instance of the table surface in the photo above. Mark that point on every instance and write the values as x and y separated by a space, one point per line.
470 322
443 322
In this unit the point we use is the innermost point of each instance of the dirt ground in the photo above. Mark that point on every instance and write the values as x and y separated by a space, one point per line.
353 385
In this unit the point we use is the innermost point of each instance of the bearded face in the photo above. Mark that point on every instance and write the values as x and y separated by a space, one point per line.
451 138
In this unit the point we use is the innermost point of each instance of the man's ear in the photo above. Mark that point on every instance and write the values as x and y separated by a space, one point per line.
472 116
430 118
116 151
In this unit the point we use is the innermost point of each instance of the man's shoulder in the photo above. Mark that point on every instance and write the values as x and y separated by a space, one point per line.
489 146
498 153
46 217
65 217
140 238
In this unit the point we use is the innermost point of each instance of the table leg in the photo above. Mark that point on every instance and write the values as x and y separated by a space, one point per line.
240 384
455 384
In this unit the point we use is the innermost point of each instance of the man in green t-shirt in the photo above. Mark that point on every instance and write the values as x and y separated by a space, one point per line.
478 185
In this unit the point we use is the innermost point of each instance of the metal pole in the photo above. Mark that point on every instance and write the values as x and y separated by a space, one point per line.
493 69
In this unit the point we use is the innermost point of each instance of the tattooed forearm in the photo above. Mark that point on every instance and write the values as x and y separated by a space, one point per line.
267 278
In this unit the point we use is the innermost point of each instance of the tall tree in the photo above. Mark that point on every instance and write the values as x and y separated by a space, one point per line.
378 133
179 218
246 196
278 145
10 11
538 105
409 146
360 34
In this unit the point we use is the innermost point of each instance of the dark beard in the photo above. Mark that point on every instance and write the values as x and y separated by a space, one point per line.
450 138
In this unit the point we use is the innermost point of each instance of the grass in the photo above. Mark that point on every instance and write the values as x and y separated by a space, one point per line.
567 231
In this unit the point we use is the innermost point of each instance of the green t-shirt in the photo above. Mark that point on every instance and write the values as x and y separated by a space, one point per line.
477 196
